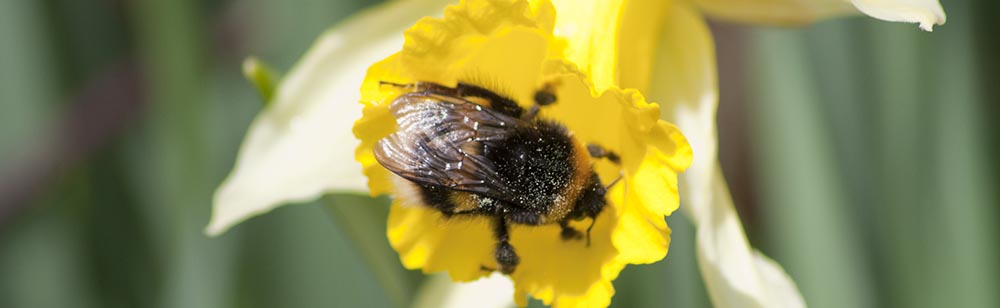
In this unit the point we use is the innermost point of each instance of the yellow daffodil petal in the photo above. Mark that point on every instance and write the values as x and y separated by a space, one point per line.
299 146
509 48
926 13
612 41
593 49
685 80
425 239
640 26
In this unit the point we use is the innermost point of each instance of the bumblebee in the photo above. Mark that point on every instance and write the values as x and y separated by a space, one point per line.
467 151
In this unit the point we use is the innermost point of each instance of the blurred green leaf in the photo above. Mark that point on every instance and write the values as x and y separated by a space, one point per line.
41 256
173 162
295 257
27 80
364 222
872 155
804 204
963 211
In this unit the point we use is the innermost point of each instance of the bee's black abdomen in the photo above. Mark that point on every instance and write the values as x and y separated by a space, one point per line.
536 163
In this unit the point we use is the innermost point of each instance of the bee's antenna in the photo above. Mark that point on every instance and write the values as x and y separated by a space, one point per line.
621 174
593 220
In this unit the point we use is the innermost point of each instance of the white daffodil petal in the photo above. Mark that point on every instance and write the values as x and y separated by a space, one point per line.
782 290
737 275
301 145
685 83
926 13
492 291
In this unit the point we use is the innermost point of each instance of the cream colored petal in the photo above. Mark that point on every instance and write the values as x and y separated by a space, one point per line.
735 274
926 13
301 145
489 292
782 289
684 81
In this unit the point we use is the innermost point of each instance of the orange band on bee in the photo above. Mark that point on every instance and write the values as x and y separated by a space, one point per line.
572 191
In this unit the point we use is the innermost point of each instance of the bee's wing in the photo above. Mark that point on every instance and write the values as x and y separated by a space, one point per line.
439 143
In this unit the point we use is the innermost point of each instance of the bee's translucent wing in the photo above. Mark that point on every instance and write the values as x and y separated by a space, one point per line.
440 142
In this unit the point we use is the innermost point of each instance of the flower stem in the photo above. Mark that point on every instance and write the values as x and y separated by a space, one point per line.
363 221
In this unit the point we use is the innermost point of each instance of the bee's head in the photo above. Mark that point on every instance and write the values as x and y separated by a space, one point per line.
592 200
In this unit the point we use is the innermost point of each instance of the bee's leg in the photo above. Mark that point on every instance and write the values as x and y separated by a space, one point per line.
543 97
524 218
568 233
597 151
496 101
467 89
593 220
507 259
546 95
531 113
461 89
394 84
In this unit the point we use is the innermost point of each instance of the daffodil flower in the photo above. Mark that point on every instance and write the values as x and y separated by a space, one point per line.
300 146
509 46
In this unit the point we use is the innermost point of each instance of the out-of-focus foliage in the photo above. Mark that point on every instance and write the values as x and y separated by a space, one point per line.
868 148
877 183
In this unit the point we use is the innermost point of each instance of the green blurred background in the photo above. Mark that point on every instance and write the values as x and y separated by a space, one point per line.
862 155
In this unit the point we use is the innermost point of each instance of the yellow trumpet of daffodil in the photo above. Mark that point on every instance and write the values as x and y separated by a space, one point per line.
301 145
